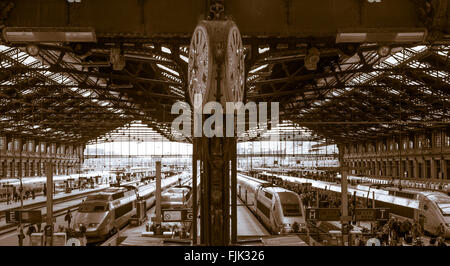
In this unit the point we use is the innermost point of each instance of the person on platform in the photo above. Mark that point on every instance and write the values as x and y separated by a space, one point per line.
31 230
441 230
422 224
68 218
8 198
82 229
394 229
432 242
33 194
21 236
357 241
441 242
39 226
414 230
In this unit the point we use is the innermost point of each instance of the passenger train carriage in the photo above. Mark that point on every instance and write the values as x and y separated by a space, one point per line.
413 204
280 210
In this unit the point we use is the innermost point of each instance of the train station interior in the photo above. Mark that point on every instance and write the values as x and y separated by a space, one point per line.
224 123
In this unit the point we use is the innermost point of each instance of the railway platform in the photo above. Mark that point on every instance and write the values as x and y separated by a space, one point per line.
250 233
136 239
41 198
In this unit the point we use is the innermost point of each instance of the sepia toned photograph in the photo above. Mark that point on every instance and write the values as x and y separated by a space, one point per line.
224 123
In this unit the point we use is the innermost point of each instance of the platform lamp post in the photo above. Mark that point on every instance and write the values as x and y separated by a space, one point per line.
21 234
345 219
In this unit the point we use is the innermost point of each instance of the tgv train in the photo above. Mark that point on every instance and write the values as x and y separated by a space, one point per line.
177 197
430 206
106 212
37 183
147 192
280 210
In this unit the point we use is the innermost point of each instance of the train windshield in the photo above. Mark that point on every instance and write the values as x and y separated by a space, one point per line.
93 207
445 208
97 197
178 190
290 203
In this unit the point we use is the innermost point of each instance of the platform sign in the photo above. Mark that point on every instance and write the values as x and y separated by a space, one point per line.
23 216
177 215
189 215
171 215
373 214
323 214
31 216
11 217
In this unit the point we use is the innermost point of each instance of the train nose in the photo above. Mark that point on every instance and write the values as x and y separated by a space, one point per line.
287 228
293 225
90 221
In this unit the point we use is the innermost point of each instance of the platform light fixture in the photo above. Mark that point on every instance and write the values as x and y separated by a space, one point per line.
312 59
49 34
381 35
384 50
32 49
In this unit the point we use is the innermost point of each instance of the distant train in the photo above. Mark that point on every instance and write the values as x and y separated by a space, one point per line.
280 210
37 183
177 197
430 206
147 192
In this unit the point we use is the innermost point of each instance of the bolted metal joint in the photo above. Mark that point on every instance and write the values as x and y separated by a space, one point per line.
216 10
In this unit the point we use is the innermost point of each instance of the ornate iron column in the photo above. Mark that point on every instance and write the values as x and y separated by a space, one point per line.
216 73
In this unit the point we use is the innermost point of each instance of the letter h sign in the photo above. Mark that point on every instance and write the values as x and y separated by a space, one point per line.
311 214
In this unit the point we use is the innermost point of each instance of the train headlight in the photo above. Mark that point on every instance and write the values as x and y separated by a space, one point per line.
93 225
448 225
287 227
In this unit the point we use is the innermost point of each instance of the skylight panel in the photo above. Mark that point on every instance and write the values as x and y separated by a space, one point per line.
391 60
442 53
419 48
168 69
5 63
427 91
263 50
184 58
28 91
394 91
258 69
166 50
29 60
